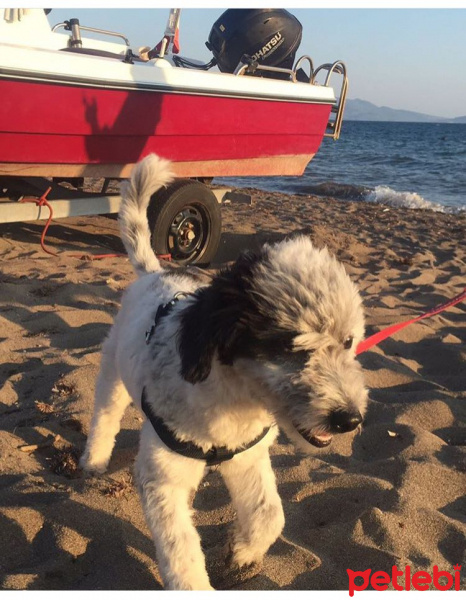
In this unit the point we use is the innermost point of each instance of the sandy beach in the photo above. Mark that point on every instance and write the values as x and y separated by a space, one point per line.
392 495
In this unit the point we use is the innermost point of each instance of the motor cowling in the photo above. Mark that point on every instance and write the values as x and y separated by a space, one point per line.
269 36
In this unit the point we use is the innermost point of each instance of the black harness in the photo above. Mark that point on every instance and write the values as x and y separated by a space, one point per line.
216 454
163 310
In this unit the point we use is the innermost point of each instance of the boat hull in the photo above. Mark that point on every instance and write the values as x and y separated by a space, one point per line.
69 130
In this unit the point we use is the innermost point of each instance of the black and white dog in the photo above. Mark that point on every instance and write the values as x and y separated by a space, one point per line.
269 342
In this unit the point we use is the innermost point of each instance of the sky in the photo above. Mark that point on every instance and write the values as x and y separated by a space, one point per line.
412 59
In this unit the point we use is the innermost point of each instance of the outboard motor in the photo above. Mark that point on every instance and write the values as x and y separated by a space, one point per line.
269 36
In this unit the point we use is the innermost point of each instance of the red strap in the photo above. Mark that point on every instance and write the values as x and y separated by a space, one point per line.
375 339
42 201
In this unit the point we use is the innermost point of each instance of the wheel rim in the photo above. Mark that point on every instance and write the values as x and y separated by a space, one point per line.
188 234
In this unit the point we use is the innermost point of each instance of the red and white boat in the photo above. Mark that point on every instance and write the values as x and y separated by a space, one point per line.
79 107
65 112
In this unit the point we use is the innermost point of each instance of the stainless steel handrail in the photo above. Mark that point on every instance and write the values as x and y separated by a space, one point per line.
242 68
58 25
311 66
66 26
339 68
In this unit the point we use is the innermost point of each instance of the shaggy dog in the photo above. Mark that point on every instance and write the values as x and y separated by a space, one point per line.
269 342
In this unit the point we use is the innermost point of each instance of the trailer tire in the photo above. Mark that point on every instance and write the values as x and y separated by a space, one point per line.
186 222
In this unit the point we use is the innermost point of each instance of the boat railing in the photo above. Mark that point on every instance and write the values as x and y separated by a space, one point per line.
70 25
250 67
339 68
307 58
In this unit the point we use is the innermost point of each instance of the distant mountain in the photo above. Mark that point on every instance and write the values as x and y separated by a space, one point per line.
361 110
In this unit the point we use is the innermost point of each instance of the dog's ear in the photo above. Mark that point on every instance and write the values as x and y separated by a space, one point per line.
217 320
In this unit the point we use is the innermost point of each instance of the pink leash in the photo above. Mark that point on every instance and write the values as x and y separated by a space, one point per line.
375 339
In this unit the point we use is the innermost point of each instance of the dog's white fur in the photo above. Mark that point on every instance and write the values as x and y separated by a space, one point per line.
262 345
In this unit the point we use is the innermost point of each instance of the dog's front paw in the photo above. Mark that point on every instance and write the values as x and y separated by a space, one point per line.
244 571
87 464
245 561
242 556
224 572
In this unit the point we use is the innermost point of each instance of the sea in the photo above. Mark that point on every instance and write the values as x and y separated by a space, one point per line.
414 165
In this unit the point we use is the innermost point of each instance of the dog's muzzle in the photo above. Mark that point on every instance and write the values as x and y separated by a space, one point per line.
340 421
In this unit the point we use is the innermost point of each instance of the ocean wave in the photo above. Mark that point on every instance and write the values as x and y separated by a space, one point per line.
383 194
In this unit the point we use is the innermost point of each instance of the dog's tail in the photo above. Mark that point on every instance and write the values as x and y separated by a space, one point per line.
147 177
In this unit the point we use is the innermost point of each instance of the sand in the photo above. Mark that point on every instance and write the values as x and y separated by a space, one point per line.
392 495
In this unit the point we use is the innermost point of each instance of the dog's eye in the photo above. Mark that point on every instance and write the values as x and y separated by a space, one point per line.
348 343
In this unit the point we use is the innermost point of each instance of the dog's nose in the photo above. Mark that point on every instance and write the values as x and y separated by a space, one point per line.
342 421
